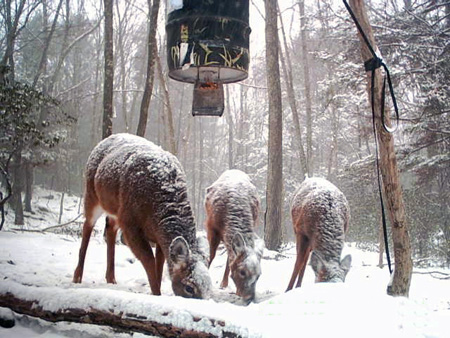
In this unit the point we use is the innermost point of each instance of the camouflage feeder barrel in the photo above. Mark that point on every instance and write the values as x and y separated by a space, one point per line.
208 40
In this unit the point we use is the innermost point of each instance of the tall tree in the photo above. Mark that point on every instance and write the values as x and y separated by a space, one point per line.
151 57
307 81
388 165
274 198
168 107
109 70
286 64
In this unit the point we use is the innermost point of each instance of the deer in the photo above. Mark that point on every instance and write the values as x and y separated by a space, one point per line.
320 217
232 207
142 189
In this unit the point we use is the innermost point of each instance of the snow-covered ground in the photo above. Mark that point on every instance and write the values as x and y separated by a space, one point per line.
40 266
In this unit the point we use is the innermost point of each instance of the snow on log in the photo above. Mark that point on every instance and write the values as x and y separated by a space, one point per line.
124 311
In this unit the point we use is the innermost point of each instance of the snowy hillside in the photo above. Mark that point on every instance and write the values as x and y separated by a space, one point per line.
39 267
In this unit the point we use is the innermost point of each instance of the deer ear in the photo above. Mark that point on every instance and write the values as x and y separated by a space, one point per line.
346 263
238 244
179 250
316 262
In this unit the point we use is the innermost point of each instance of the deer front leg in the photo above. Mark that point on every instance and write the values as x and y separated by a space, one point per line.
224 283
87 231
142 249
159 264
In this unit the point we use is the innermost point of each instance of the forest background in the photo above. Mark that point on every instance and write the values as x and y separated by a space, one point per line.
51 73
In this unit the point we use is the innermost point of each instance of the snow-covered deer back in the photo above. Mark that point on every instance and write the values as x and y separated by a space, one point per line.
232 207
142 189
320 217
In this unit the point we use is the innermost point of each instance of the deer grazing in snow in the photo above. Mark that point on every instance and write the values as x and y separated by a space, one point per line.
232 207
142 189
320 216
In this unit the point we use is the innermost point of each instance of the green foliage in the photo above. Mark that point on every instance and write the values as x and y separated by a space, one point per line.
21 126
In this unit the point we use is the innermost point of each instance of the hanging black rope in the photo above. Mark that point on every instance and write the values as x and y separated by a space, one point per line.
372 65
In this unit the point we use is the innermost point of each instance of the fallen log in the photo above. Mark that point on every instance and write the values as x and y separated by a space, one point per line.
120 319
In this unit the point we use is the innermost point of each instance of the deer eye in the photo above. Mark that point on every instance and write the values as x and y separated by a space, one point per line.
189 289
242 273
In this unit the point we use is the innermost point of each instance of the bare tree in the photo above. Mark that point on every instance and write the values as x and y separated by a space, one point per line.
12 15
388 164
273 216
109 70
307 80
286 64
151 57
168 107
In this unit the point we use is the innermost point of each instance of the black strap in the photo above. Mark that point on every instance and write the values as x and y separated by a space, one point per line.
383 214
372 65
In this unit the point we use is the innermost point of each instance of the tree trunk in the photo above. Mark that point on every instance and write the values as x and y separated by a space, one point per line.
200 191
230 132
170 128
122 63
29 178
42 68
274 200
11 24
332 159
286 64
308 105
61 208
381 246
389 170
4 199
109 71
447 14
186 141
17 187
151 57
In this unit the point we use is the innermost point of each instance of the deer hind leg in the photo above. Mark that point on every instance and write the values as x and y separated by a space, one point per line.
159 264
303 249
224 283
305 254
142 249
91 215
214 241
111 229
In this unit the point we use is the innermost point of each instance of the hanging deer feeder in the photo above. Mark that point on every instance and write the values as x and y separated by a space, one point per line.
208 45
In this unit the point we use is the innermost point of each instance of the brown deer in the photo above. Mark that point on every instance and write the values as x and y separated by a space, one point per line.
320 216
142 189
232 207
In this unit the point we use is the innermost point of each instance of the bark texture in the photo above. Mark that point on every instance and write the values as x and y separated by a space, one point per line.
286 65
307 79
151 58
389 170
109 71
274 200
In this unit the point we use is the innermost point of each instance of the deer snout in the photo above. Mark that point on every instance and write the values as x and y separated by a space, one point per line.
330 272
245 280
247 293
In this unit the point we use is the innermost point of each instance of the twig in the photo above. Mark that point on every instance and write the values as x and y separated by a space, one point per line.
432 273
48 228
61 225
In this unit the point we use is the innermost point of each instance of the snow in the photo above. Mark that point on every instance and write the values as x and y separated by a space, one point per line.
40 266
